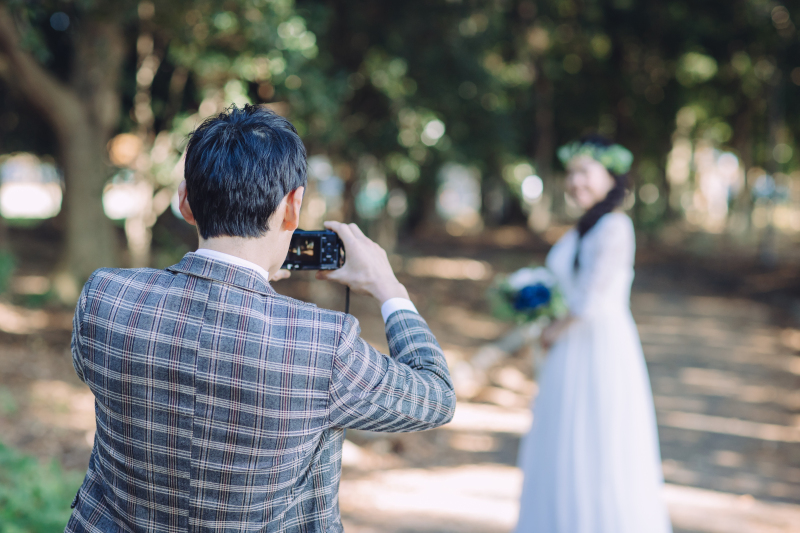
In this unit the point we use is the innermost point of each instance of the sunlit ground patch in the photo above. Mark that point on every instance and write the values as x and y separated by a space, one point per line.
478 498
448 268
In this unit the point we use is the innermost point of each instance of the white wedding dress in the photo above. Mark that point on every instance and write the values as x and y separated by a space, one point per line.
591 460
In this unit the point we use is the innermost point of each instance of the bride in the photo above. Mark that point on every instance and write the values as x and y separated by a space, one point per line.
591 460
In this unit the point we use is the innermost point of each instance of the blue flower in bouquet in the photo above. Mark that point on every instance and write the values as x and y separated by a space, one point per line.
526 295
532 297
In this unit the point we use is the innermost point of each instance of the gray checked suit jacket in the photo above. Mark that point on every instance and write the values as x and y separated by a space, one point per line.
221 404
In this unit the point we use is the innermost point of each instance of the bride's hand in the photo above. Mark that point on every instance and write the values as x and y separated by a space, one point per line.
552 332
549 335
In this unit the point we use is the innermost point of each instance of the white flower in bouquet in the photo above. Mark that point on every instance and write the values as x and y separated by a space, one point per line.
528 276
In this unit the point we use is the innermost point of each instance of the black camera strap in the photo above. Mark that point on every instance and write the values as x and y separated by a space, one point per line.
347 301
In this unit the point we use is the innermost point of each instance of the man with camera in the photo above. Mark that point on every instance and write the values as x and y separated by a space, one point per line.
221 405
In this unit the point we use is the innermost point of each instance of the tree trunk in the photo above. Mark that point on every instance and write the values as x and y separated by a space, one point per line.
776 110
541 211
83 114
90 234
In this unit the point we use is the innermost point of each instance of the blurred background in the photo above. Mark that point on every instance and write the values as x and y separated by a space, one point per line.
433 125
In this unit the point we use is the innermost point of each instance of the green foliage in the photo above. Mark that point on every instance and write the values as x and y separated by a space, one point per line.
8 402
34 498
694 68
508 80
7 265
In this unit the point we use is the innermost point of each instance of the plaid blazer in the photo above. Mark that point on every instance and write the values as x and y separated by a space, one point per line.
221 404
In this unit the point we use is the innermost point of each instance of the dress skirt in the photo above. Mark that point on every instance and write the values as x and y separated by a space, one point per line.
591 461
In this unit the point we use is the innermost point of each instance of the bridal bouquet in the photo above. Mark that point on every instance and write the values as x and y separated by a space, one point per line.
527 295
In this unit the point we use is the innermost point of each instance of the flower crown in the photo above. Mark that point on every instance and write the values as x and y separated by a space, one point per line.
615 158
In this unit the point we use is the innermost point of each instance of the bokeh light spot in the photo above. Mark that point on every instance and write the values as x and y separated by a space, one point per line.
59 21
532 188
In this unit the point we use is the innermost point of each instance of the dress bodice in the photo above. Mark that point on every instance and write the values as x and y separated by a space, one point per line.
602 282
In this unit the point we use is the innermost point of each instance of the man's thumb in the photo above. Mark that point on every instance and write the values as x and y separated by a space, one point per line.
330 275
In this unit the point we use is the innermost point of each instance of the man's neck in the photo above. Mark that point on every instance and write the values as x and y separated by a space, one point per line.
260 250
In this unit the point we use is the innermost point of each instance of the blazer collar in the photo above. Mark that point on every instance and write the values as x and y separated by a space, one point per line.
205 267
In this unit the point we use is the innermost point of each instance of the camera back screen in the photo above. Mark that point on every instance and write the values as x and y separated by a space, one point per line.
305 249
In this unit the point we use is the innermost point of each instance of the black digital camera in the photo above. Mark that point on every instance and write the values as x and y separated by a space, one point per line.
314 250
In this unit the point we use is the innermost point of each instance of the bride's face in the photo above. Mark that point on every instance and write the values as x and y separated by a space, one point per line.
588 181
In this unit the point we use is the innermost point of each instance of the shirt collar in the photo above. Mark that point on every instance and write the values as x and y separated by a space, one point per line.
201 266
232 259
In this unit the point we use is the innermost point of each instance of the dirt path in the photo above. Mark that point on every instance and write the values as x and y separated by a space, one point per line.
726 381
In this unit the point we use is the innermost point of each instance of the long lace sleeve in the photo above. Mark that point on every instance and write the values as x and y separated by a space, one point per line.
606 266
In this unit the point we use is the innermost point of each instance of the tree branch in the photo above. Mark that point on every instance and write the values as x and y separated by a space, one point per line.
41 89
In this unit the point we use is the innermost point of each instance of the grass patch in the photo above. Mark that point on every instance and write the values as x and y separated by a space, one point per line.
34 497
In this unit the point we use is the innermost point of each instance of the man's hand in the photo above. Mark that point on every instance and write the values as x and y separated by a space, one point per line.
279 275
366 269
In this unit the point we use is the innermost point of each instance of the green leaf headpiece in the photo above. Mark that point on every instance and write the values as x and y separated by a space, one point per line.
616 158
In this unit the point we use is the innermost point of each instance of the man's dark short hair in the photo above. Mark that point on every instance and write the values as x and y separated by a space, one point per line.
239 166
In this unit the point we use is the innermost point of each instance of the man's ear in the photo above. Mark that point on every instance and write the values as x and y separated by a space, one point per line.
183 204
291 216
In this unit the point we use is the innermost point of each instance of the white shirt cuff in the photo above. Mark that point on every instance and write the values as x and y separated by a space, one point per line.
393 305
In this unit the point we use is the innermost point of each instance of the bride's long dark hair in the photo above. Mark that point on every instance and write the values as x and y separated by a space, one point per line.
614 198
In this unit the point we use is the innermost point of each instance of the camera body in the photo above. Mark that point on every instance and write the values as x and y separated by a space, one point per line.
314 250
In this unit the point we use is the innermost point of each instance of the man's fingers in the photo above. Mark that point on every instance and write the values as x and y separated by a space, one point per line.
343 230
356 231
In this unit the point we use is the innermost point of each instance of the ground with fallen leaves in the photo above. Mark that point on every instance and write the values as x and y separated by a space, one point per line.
721 351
